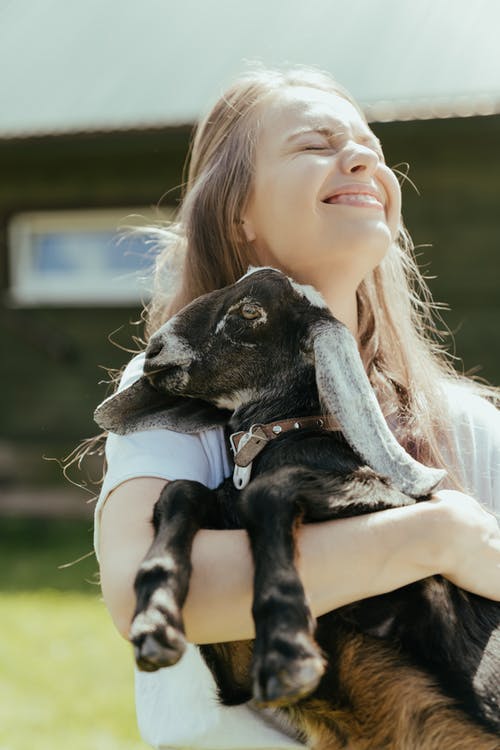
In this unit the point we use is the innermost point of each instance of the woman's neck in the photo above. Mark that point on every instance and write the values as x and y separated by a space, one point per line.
342 303
338 289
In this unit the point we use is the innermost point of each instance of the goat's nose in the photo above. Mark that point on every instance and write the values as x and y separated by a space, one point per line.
153 350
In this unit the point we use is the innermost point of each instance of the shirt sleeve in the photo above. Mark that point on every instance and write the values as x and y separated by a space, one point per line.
473 448
162 454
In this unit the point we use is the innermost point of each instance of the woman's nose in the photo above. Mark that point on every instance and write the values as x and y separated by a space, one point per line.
359 158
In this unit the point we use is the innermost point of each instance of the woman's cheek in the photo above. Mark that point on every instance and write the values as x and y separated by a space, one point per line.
393 208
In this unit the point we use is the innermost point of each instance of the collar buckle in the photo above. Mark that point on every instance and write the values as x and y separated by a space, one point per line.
246 446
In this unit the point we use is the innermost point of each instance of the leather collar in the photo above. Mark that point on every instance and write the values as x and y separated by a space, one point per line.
247 445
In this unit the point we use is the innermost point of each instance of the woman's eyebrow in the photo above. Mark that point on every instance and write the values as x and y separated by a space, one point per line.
331 132
313 129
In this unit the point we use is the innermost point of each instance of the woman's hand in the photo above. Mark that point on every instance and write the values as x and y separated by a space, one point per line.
471 555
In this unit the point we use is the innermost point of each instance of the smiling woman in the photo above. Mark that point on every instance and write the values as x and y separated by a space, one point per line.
285 171
326 189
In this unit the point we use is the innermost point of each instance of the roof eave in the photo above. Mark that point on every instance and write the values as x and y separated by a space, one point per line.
383 110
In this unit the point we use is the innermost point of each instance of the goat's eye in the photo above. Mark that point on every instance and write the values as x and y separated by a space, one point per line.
250 311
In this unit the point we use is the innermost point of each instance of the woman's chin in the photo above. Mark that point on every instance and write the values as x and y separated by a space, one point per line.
372 246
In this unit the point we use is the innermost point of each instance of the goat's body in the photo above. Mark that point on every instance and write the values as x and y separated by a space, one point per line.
403 670
416 669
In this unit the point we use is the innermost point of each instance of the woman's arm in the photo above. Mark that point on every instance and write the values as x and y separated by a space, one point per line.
339 561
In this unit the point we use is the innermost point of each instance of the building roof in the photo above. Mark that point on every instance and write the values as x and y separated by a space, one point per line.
70 66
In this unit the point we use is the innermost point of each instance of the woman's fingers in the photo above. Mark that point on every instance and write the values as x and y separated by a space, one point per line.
472 537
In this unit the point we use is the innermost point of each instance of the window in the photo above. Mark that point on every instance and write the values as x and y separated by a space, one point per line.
81 257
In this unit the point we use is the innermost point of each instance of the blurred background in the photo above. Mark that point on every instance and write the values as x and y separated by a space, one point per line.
98 101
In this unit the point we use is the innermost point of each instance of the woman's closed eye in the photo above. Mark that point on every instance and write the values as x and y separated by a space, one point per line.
318 146
323 147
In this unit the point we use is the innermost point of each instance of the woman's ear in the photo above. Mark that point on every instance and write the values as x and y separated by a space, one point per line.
248 229
247 223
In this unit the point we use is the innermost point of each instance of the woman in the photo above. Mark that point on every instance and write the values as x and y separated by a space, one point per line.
286 172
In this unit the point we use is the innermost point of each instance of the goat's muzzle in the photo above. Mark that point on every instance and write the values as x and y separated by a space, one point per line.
167 354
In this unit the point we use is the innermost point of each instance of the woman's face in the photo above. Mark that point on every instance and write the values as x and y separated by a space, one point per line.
323 201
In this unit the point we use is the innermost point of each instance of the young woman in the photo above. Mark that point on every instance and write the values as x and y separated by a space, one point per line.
286 172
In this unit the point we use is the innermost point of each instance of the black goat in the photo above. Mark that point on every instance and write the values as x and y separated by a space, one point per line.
417 668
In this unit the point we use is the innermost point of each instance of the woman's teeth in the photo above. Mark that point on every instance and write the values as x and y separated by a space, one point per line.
355 199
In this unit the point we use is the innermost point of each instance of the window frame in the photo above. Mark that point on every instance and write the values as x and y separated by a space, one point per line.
108 287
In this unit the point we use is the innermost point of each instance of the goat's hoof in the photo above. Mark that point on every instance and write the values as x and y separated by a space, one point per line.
156 648
281 678
151 655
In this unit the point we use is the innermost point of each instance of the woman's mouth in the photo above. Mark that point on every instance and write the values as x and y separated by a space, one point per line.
355 194
363 200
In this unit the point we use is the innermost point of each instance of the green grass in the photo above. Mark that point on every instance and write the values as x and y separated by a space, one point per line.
66 677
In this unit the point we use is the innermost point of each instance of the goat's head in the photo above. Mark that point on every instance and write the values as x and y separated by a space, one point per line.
242 342
237 344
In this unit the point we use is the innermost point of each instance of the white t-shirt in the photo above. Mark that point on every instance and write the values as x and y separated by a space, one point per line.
177 706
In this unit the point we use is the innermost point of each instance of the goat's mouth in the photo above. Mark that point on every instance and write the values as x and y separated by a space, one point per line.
172 378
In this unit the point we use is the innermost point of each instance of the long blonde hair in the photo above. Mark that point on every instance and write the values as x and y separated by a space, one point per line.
397 334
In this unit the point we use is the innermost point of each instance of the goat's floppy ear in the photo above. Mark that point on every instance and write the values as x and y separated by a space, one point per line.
142 407
346 393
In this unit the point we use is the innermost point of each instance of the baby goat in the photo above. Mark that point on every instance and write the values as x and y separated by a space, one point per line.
418 668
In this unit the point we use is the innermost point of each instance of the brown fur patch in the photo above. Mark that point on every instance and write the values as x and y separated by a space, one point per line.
387 706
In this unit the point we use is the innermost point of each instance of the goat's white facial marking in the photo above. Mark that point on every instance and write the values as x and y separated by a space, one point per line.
310 293
233 401
176 350
180 349
168 359
305 290
249 310
254 269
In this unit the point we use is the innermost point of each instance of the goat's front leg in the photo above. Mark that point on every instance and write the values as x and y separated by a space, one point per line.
287 663
162 581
